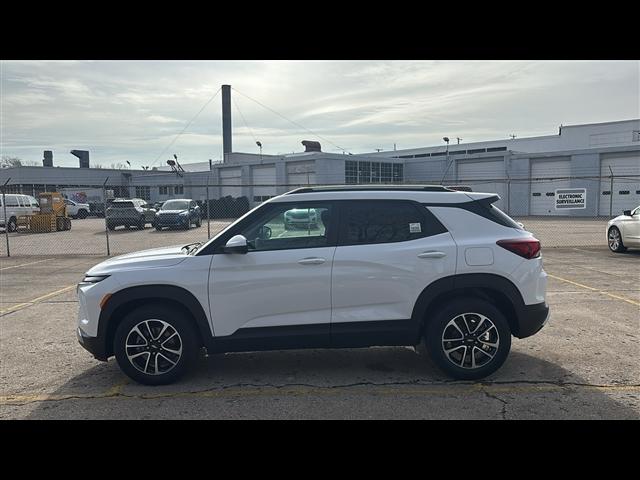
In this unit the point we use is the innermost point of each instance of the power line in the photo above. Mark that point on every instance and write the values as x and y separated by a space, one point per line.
289 120
243 120
185 128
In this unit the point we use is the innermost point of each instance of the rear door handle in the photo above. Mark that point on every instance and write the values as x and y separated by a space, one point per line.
432 255
312 261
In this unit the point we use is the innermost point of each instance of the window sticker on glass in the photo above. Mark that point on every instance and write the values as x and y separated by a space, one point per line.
415 228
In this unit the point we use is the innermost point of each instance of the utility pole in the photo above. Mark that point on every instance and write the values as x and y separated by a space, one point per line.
446 139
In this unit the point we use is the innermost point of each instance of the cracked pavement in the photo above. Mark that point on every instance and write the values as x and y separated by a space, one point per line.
585 364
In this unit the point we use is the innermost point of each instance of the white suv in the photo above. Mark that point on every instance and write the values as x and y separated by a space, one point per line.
378 266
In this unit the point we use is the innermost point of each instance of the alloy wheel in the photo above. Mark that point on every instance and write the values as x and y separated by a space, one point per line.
470 340
153 347
614 239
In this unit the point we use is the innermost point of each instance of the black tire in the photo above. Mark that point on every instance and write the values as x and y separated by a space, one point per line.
141 223
616 247
82 213
110 226
437 324
198 222
12 226
155 314
158 228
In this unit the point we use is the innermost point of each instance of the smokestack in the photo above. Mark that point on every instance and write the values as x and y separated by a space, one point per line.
83 156
226 120
47 161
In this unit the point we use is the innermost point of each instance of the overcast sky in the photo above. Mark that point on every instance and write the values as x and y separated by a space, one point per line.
131 110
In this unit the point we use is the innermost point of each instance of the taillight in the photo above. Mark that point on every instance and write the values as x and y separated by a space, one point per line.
526 247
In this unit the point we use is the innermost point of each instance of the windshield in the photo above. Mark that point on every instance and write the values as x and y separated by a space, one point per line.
175 205
121 204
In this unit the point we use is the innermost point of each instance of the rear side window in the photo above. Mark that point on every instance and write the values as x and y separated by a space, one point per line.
122 204
12 201
372 222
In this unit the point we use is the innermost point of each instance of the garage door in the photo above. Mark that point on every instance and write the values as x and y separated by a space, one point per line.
484 177
300 174
626 191
544 183
229 178
264 181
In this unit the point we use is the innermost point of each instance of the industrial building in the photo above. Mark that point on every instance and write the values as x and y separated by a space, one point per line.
601 158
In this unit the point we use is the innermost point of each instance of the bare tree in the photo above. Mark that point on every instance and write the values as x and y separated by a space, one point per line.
7 162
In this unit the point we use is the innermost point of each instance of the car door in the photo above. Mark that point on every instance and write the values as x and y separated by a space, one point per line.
280 288
388 252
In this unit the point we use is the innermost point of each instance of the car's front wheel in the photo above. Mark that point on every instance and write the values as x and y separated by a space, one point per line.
155 345
615 240
469 339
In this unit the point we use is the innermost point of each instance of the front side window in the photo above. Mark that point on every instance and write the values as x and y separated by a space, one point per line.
289 227
371 222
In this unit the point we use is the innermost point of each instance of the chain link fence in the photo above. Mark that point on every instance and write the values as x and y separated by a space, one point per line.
107 222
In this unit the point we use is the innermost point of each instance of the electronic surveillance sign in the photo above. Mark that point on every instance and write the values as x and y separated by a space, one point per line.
571 198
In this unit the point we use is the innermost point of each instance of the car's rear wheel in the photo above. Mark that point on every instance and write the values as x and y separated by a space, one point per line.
469 339
615 240
198 222
12 226
82 213
155 345
141 223
111 226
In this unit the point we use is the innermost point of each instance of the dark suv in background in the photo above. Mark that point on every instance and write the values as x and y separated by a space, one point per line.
178 213
130 212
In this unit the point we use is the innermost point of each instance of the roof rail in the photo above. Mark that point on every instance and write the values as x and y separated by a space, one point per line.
359 188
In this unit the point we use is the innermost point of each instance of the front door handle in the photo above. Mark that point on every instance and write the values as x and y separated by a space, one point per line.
312 261
432 255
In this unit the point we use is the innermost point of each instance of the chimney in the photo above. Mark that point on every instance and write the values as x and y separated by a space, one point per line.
226 121
83 156
311 146
47 161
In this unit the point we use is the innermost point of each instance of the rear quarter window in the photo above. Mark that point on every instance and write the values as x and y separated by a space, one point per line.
373 222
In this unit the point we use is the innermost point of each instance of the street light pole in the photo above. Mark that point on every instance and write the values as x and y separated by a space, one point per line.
446 139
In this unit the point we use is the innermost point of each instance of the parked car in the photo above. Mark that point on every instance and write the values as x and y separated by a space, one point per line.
17 205
178 213
624 231
134 212
301 218
421 266
77 210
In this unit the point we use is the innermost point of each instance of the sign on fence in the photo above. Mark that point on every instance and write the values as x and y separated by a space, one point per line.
570 198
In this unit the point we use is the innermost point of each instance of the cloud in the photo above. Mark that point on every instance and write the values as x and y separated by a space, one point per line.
133 109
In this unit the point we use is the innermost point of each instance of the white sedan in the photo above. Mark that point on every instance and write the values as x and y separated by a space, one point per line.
624 231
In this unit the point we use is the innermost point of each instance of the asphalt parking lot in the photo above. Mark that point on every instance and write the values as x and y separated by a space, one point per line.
584 364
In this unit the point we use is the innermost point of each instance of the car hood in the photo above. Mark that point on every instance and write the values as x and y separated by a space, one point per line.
152 258
619 217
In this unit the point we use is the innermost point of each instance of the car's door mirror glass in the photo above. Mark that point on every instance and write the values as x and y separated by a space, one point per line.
627 213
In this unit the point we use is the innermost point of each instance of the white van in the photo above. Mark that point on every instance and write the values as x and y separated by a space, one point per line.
17 205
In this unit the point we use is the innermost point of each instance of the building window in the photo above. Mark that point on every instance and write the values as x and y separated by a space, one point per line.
143 192
364 172
179 190
385 172
375 172
350 172
164 190
261 198
398 173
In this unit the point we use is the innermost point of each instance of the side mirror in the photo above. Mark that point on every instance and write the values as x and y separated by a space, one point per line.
627 213
521 225
236 244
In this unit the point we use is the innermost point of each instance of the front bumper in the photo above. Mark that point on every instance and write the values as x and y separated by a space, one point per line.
532 319
91 344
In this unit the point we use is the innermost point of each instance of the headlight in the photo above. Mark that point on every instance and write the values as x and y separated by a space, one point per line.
93 278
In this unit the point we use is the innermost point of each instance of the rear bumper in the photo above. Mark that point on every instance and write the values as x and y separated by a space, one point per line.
532 318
